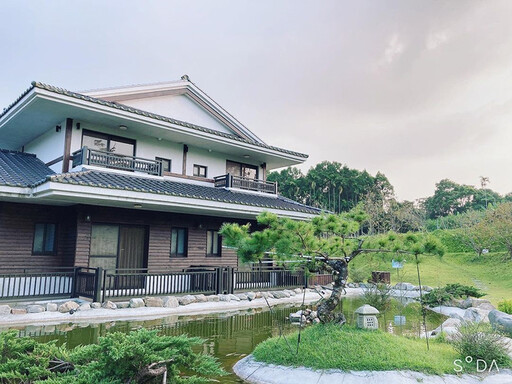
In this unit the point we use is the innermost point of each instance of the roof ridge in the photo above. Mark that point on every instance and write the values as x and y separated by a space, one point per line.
17 152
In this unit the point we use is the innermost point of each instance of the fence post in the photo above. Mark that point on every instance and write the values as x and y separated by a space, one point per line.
74 282
98 274
306 278
231 280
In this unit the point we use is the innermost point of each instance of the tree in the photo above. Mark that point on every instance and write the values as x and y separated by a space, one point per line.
499 221
327 241
474 231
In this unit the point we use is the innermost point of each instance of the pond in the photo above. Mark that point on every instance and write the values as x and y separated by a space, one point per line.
228 336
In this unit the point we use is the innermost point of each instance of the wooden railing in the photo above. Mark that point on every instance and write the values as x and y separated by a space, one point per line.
231 181
87 156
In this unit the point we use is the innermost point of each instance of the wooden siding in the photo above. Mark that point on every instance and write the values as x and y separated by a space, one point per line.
17 222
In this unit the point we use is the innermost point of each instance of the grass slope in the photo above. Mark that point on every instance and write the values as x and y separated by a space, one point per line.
347 348
491 273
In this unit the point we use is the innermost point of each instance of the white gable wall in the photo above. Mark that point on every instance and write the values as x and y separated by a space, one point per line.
49 146
179 107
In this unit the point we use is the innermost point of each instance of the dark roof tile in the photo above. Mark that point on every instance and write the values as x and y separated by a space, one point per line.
18 169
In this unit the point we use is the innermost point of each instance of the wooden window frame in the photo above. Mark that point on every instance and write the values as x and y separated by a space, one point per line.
163 159
44 252
242 165
219 242
176 254
199 167
109 138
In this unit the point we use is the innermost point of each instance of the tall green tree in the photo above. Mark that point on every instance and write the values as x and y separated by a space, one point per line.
330 242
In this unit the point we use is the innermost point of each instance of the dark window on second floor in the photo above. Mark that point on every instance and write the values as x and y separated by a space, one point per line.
108 143
200 170
179 242
44 239
166 164
213 243
243 170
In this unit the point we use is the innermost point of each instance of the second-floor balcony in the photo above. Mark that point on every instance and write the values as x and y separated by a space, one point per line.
246 183
87 156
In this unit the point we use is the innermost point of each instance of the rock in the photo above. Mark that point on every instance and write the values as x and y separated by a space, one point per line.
295 317
186 300
153 302
259 295
460 303
170 302
487 306
316 320
241 296
201 298
267 295
402 286
476 315
5 310
479 302
95 305
501 321
224 298
84 307
426 288
298 291
449 328
136 303
213 298
234 297
251 296
280 295
51 307
109 305
35 309
68 306
123 304
18 311
313 315
291 293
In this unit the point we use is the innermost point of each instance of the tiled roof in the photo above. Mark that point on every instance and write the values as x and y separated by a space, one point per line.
180 189
140 112
18 169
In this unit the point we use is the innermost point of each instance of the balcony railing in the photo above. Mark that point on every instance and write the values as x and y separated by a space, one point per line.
231 181
87 156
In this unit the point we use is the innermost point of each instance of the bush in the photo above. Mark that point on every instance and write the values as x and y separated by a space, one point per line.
378 296
441 296
481 341
359 275
505 306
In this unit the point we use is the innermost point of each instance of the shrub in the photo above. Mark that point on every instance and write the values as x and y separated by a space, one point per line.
505 306
444 295
481 341
435 297
458 291
359 275
378 296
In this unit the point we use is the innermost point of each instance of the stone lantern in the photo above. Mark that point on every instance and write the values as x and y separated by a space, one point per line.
366 317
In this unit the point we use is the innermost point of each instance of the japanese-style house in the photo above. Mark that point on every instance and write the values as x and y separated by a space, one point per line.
136 177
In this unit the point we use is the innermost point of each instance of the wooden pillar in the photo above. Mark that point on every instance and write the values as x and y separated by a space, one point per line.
66 157
184 168
264 171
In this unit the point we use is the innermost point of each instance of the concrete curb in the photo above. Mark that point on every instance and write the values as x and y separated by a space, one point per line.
255 372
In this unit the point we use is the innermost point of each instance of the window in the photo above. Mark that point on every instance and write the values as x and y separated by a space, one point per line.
242 170
179 240
213 243
44 239
166 164
200 170
108 143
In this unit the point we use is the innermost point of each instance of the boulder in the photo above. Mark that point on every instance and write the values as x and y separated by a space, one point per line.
259 295
298 291
153 302
251 296
313 315
241 296
487 306
450 328
291 293
501 321
476 315
95 305
460 303
280 294
123 304
51 307
401 286
35 309
137 303
18 311
5 310
213 298
84 307
234 297
170 302
201 298
68 306
295 317
267 295
109 305
224 298
186 300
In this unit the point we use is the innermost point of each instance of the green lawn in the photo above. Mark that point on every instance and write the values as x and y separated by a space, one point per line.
348 348
491 273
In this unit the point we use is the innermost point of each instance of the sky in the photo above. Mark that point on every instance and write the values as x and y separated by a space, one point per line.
419 90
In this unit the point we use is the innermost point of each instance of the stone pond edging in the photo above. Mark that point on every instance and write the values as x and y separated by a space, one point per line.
255 372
